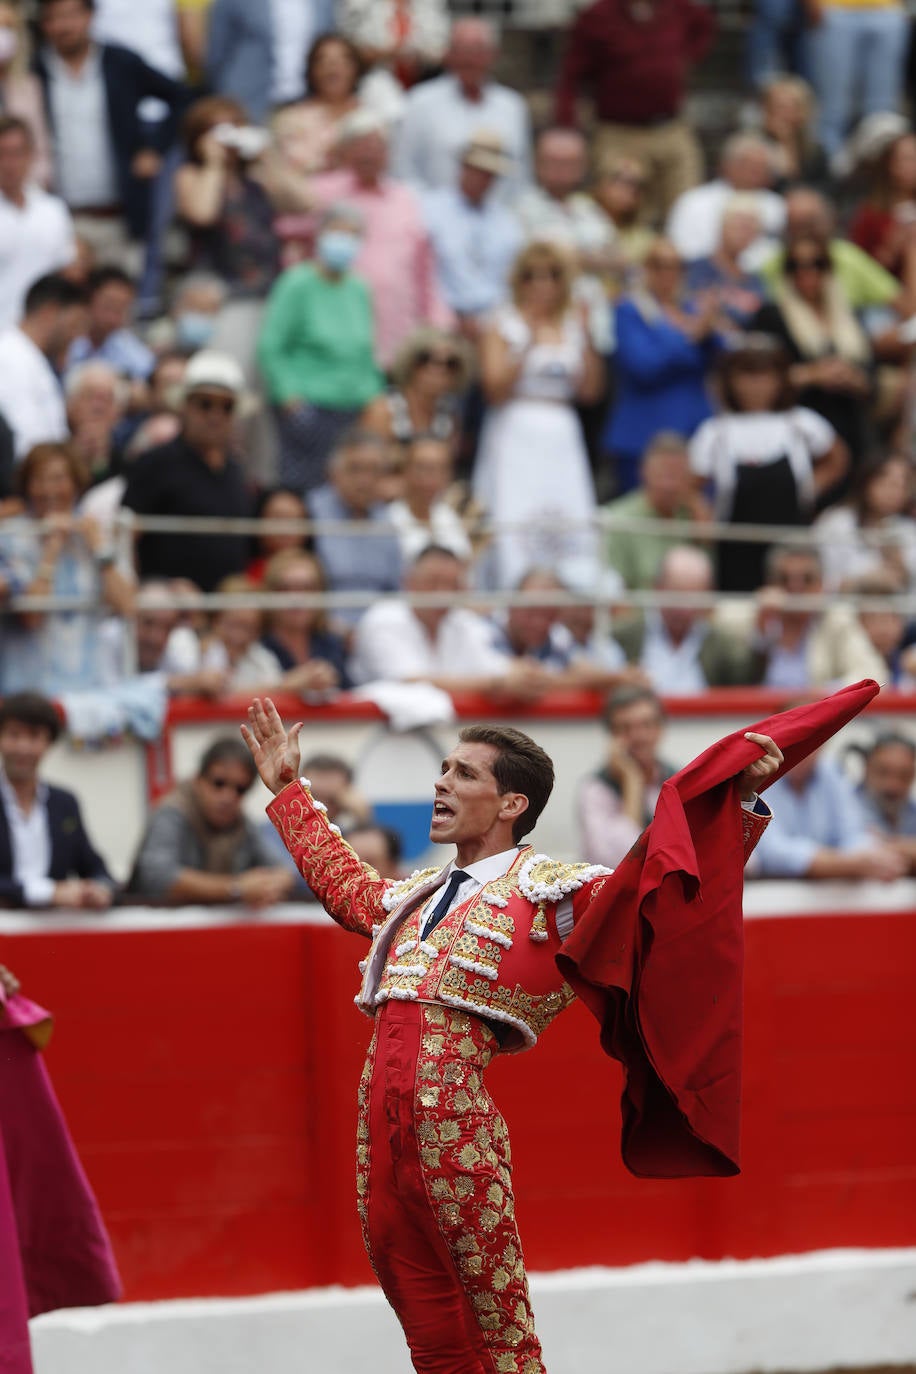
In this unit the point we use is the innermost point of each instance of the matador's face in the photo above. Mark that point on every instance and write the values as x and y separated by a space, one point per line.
468 806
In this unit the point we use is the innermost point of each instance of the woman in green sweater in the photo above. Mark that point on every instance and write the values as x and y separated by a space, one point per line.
315 350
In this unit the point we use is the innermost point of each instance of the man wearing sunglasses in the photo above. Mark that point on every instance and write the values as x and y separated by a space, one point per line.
195 475
200 848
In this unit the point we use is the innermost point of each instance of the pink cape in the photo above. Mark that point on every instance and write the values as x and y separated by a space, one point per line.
54 1251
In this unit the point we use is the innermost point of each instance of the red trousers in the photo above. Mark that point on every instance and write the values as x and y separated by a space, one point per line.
435 1194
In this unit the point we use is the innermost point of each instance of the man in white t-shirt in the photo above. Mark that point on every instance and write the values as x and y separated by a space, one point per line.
31 399
450 647
36 231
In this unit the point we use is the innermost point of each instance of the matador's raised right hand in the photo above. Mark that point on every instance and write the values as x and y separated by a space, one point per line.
274 749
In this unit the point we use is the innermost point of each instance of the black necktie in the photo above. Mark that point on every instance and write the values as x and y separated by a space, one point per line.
441 908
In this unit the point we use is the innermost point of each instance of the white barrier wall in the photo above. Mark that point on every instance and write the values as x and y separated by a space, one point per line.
836 1309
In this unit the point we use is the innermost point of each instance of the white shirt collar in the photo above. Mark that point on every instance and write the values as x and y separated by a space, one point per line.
91 69
485 870
11 800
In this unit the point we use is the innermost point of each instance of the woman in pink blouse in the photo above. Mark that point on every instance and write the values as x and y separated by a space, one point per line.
305 133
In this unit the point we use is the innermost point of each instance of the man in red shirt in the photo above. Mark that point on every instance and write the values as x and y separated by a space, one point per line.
633 58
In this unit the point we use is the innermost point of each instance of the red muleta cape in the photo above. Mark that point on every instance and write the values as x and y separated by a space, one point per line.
54 1251
658 958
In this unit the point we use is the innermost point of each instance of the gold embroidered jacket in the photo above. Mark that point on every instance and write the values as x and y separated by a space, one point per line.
493 955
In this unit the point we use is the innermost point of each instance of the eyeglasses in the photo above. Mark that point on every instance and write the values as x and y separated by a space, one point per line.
224 404
221 785
450 361
531 274
794 265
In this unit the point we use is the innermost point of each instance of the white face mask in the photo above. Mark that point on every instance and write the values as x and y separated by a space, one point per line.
9 45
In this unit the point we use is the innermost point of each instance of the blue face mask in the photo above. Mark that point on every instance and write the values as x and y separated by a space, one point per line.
336 249
194 329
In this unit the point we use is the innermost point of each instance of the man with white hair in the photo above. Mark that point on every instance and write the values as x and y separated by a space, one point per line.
97 397
678 648
746 167
442 116
741 293
395 256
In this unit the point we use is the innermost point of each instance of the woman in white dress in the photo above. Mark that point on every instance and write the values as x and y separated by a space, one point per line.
532 469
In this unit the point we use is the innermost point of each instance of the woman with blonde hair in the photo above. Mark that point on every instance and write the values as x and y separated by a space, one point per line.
429 375
532 469
20 91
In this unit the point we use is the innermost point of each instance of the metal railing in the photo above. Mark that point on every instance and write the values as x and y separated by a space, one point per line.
602 526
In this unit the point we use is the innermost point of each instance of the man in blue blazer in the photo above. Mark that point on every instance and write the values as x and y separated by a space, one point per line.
108 153
46 857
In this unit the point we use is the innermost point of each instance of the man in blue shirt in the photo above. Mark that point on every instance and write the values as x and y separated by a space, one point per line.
474 236
358 562
110 298
819 829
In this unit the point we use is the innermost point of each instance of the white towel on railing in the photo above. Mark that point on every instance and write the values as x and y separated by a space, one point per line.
135 706
409 705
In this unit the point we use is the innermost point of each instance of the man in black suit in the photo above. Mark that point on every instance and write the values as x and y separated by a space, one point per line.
107 152
46 858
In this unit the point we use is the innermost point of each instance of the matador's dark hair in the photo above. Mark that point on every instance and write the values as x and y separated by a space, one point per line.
520 766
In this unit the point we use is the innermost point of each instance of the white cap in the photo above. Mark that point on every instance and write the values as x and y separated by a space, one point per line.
209 368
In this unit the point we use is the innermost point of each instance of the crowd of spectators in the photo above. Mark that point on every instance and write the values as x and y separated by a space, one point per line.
316 263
